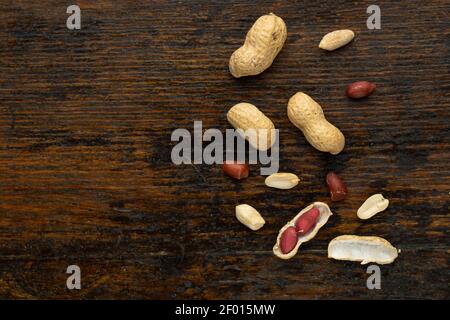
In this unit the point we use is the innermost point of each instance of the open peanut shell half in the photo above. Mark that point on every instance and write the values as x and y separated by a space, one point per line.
325 214
364 249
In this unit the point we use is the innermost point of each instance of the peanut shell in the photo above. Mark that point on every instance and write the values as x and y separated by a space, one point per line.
325 214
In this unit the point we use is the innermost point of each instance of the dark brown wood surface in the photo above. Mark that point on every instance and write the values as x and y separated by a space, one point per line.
86 175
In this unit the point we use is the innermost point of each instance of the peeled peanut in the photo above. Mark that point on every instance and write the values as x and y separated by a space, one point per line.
307 115
372 206
282 180
249 119
249 216
262 44
336 39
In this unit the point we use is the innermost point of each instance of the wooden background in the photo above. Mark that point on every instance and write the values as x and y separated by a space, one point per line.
86 176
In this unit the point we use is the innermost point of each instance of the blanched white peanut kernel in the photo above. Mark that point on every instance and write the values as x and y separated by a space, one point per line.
372 206
282 180
336 39
249 217
364 249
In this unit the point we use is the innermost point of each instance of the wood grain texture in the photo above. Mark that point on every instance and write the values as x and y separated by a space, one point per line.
86 176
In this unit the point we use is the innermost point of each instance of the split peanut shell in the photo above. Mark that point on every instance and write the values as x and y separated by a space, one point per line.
361 248
325 214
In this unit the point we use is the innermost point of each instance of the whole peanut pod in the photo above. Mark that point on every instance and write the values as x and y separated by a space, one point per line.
250 120
337 188
262 44
307 115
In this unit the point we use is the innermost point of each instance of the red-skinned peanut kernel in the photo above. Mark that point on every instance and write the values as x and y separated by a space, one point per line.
236 170
360 89
288 240
337 188
306 222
